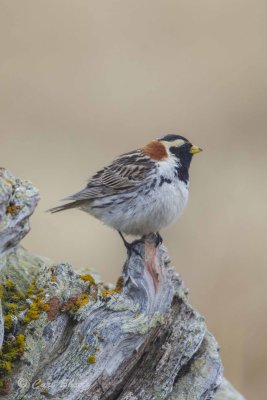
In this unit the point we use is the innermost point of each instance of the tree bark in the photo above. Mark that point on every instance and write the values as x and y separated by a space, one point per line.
142 340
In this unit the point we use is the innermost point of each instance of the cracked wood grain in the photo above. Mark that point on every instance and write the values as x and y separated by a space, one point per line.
144 342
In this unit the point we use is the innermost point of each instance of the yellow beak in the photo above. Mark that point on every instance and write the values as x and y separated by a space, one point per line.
195 150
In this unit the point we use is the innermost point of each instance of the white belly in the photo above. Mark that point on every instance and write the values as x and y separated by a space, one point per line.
145 212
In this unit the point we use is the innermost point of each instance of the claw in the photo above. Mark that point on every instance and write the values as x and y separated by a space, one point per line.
130 246
159 239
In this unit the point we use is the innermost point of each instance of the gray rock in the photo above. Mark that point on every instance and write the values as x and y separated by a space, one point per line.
18 199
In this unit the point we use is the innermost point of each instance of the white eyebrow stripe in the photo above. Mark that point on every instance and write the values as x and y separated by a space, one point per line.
177 143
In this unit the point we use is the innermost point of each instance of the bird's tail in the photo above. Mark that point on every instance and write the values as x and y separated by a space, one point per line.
67 206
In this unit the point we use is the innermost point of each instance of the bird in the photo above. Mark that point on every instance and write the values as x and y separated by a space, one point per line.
140 192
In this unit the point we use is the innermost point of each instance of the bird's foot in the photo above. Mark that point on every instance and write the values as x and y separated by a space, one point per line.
131 246
158 240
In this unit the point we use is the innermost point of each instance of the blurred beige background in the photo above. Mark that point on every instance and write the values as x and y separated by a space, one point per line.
83 81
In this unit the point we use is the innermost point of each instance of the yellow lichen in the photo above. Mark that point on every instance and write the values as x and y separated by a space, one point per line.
31 289
98 336
11 351
14 302
17 297
8 321
20 342
85 347
111 292
82 300
12 307
75 302
9 285
7 366
53 278
88 278
91 359
118 288
37 306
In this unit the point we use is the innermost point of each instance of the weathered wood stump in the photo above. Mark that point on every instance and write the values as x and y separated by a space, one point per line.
73 339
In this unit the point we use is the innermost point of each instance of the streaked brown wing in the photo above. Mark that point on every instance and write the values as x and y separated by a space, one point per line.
124 174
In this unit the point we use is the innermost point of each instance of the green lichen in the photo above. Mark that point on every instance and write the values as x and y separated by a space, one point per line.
9 285
91 359
11 351
8 322
22 307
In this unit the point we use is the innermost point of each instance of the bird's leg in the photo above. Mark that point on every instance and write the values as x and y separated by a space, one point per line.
129 246
126 244
159 239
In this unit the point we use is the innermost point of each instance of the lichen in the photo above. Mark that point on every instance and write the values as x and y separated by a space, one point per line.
13 209
110 292
11 351
18 309
75 302
9 285
142 324
54 278
88 278
91 359
98 336
38 306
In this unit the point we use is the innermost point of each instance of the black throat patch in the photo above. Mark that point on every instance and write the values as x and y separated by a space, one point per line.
184 158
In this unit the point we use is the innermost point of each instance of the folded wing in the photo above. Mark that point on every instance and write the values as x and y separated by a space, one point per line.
124 174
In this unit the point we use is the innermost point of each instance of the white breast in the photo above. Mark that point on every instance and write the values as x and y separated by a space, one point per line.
164 205
149 209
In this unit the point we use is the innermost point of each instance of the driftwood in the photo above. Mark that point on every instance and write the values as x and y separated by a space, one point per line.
141 340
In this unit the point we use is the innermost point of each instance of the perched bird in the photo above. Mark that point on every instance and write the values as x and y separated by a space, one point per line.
142 191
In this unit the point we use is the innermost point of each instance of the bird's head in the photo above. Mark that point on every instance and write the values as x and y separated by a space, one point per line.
172 146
